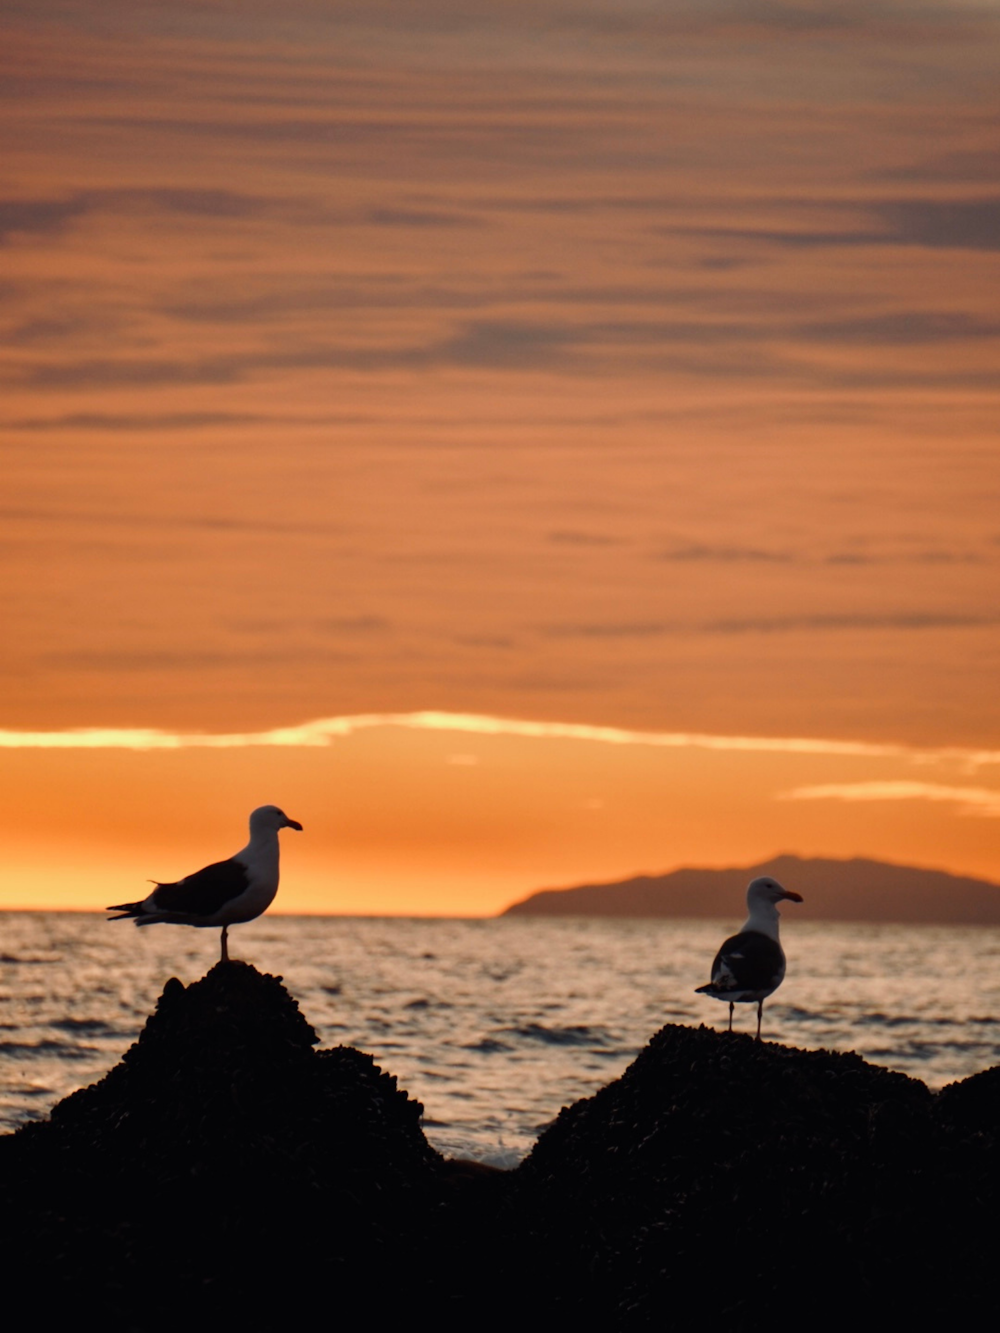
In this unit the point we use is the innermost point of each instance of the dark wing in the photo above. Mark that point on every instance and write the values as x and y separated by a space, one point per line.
204 892
748 962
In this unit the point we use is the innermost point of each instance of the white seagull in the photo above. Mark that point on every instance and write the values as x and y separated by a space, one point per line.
225 892
751 965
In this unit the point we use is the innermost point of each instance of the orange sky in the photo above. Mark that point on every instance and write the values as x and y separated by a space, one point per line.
623 365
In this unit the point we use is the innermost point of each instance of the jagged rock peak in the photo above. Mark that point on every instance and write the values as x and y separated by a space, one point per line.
234 1006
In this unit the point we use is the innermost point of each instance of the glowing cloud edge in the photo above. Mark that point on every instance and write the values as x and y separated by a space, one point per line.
323 732
974 800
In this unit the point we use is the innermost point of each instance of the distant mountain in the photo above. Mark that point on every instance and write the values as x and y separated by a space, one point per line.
855 890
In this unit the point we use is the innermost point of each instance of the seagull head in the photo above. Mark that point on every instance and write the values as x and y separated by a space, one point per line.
768 890
270 817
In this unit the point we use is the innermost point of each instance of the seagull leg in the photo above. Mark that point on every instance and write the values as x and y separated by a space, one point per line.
731 1008
225 947
760 1010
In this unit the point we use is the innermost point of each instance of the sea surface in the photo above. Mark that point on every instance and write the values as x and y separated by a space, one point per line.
494 1025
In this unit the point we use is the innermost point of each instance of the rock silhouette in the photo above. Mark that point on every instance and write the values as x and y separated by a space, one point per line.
226 1169
752 1181
858 889
225 1166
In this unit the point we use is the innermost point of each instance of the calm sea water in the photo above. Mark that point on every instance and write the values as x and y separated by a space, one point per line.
494 1025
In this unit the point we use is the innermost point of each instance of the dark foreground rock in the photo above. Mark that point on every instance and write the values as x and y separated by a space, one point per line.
227 1171
224 1169
754 1185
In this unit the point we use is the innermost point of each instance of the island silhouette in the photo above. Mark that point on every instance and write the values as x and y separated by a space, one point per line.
833 890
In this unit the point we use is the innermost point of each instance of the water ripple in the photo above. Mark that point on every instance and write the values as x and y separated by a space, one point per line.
495 1025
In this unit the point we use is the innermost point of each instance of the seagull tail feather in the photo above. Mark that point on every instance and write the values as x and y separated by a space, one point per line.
127 910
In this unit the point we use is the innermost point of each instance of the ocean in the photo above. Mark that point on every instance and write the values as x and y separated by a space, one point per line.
494 1025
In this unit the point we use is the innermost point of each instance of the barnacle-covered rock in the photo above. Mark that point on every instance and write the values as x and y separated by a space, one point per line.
228 1171
221 1158
727 1177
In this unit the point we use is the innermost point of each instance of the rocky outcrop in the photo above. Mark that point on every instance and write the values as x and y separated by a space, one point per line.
224 1169
225 1081
228 1171
753 1185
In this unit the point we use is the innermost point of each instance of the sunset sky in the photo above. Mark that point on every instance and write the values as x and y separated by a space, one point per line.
528 442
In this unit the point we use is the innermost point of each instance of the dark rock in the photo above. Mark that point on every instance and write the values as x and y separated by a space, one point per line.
223 1165
224 1077
227 1171
974 1103
724 1178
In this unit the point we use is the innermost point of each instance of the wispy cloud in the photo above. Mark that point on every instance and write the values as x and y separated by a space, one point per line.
933 224
152 421
481 344
973 800
326 731
695 551
850 622
417 217
900 328
575 537
915 620
971 224
27 216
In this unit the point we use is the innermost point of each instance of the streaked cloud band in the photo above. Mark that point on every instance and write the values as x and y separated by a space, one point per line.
973 800
325 731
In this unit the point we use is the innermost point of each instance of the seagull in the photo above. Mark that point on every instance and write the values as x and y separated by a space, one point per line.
225 892
751 965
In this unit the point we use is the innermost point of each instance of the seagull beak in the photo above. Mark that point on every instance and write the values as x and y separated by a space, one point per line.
294 823
795 897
